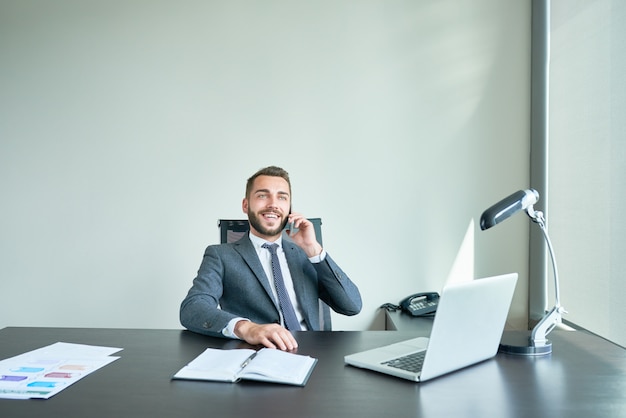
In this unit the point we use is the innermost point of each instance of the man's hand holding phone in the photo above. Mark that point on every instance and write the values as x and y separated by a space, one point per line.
302 232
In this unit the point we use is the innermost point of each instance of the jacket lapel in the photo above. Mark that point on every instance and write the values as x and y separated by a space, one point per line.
245 248
299 283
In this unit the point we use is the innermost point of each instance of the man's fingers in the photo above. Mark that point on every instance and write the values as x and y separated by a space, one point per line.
269 335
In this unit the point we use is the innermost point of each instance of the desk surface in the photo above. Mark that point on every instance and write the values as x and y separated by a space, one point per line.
584 376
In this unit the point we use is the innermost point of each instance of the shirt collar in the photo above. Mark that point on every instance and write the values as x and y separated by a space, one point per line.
258 242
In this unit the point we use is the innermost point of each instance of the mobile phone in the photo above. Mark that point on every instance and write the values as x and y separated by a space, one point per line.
291 228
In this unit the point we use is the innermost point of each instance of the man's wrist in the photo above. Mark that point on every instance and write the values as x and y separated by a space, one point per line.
231 329
319 257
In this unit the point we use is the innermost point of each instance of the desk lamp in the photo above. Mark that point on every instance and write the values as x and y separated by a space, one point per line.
535 343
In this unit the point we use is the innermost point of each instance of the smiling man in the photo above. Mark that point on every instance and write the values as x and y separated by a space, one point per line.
264 286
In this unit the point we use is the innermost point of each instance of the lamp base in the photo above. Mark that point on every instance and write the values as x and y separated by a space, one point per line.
519 343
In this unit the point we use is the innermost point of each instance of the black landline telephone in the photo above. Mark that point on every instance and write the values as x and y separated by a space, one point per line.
420 303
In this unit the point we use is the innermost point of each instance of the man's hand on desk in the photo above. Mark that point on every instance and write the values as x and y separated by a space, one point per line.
268 335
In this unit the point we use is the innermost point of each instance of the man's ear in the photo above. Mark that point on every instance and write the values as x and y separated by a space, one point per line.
244 205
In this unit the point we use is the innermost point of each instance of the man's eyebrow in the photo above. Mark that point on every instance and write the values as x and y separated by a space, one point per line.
268 191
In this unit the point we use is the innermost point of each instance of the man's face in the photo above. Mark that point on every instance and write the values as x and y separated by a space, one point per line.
268 206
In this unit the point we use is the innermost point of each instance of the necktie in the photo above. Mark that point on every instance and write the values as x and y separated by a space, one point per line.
289 315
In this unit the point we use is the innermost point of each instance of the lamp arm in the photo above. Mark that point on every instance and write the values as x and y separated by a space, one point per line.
543 327
553 317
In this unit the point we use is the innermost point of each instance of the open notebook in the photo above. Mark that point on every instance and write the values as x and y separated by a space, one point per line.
467 329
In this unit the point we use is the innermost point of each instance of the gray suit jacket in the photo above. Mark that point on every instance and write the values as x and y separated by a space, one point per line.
231 283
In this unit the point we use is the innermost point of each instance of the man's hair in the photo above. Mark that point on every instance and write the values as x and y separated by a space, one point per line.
272 171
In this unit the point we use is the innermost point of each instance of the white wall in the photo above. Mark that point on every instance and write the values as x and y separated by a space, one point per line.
588 149
127 128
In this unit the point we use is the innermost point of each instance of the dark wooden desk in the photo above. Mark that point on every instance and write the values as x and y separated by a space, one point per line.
584 376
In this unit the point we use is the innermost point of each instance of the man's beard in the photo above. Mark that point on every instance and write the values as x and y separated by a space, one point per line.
256 223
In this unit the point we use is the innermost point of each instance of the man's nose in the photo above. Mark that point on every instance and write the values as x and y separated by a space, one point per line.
271 202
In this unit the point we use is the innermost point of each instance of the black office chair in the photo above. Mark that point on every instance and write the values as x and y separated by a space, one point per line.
233 229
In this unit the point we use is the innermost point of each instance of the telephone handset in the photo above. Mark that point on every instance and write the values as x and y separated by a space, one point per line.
420 303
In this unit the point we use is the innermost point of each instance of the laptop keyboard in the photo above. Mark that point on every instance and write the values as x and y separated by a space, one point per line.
411 362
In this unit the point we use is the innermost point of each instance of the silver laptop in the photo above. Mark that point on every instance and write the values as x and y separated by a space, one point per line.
467 329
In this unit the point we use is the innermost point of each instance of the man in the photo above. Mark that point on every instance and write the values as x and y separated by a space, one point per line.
236 294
